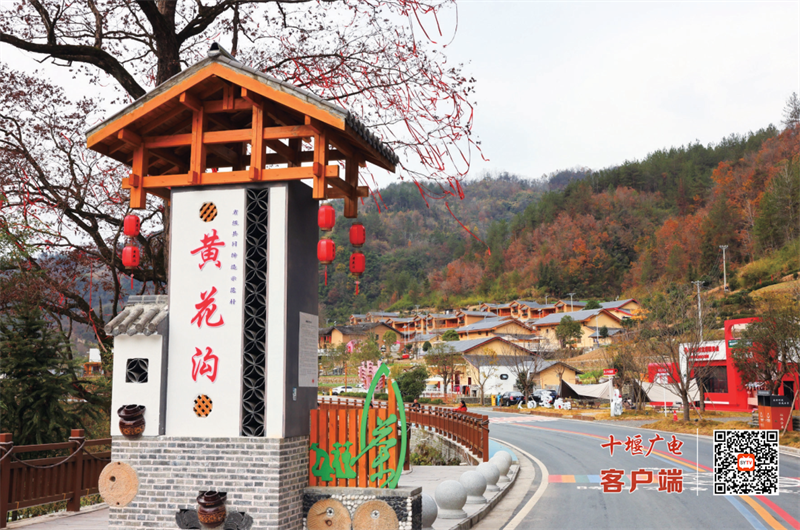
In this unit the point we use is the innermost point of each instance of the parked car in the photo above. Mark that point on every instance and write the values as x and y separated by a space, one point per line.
511 398
342 389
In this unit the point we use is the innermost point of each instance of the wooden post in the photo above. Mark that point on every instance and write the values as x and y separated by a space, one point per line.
74 503
351 177
197 165
320 162
6 446
257 148
314 437
392 409
485 435
138 172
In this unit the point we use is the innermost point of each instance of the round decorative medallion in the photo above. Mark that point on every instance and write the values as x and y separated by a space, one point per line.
375 515
328 514
118 484
208 211
203 405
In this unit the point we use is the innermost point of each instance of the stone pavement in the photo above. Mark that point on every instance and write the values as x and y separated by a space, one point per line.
90 518
426 477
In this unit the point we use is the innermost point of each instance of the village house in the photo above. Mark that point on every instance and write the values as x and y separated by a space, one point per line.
622 308
528 310
501 310
591 320
491 327
380 316
405 328
333 336
357 319
567 306
467 317
499 362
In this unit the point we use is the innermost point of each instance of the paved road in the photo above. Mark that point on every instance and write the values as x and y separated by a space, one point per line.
571 453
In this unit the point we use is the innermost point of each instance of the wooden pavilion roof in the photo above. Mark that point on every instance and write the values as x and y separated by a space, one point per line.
199 128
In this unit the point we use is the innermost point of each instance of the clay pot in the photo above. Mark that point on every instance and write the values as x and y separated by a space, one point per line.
211 509
131 420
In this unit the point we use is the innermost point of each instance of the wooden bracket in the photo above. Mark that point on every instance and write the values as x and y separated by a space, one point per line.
191 102
129 137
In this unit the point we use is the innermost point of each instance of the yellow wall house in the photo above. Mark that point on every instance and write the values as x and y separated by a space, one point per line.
335 335
499 361
590 320
491 327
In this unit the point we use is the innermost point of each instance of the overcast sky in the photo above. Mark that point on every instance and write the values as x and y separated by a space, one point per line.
562 84
565 84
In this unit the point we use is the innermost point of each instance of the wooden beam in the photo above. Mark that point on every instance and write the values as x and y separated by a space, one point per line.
225 137
190 102
138 173
160 120
251 96
303 156
234 177
257 143
197 160
282 149
169 157
228 96
129 137
223 152
164 193
219 105
336 193
174 140
296 145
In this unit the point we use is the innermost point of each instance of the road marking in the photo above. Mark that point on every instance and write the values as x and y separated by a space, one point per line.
697 467
536 496
764 514
522 419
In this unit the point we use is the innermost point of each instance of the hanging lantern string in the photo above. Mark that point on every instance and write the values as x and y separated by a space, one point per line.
326 275
356 287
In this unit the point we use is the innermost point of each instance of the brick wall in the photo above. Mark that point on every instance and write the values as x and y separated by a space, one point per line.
264 477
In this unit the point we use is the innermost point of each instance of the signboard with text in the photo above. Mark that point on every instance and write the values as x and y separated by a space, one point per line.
205 310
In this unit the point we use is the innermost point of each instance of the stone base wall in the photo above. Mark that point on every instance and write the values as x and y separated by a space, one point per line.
263 477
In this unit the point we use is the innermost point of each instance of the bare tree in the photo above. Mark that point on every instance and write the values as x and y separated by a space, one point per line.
62 206
672 321
522 365
631 362
485 364
445 362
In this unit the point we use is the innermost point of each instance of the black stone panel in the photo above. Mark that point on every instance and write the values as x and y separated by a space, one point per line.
255 313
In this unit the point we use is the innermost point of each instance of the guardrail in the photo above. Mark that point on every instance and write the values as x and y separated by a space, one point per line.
26 483
466 428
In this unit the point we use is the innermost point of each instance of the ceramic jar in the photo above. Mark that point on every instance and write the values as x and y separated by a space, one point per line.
131 420
211 508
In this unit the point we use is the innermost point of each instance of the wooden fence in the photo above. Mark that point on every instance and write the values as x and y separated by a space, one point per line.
338 420
26 483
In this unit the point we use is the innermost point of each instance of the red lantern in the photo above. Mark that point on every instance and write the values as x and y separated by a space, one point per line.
326 253
130 257
358 235
326 217
357 264
132 225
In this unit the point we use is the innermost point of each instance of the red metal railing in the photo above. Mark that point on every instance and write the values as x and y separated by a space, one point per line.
26 483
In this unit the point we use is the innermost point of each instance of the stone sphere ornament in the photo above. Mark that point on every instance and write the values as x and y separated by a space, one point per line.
506 455
491 474
475 484
451 497
429 511
502 466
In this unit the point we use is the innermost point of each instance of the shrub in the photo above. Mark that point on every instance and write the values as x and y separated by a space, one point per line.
427 455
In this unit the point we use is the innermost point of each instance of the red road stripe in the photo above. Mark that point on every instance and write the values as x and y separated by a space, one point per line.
780 511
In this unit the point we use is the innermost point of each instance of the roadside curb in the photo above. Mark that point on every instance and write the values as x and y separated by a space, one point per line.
472 520
534 412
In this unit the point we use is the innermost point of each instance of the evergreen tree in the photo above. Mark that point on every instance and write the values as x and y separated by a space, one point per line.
37 378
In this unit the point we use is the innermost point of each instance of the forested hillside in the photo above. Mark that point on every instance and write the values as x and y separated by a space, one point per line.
598 233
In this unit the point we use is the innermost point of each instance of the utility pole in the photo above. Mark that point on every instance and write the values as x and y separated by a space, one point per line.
571 307
724 270
545 299
697 284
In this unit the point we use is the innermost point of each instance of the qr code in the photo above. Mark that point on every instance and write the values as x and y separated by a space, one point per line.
745 462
